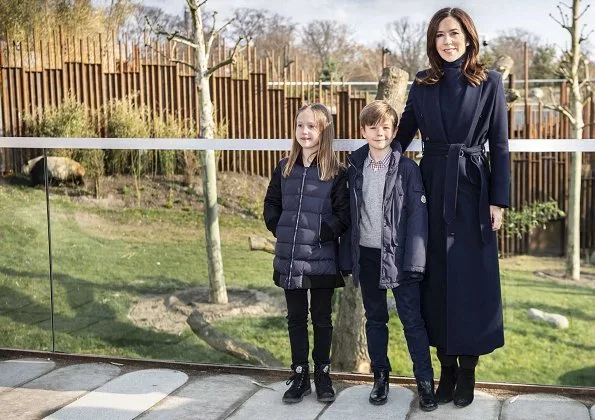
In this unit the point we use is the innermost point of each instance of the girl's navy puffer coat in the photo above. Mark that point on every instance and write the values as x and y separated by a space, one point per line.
307 216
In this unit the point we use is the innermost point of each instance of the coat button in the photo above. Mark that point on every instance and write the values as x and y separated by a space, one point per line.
427 138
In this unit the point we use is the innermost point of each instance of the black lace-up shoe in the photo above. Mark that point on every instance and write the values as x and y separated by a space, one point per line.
379 393
323 384
300 385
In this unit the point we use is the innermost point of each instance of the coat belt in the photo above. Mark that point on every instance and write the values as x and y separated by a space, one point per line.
456 157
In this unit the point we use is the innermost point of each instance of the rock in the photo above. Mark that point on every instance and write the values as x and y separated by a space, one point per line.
556 320
592 259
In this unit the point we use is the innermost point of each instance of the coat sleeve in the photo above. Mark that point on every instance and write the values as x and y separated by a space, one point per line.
336 225
408 125
273 201
499 154
416 212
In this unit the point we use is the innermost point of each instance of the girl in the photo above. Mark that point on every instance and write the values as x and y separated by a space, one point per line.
459 106
307 208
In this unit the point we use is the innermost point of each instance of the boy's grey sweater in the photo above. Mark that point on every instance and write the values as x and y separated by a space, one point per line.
371 217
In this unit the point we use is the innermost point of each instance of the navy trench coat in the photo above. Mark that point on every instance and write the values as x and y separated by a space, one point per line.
461 299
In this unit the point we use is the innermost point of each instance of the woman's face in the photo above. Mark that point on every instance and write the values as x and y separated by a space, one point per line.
450 39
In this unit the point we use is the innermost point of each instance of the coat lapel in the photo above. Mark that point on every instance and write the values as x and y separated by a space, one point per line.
434 116
467 119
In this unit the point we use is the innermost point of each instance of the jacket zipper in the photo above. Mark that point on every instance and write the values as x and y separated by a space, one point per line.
319 230
297 222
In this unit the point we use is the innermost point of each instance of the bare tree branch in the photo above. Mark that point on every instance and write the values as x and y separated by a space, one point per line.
171 36
213 34
223 63
583 12
563 110
563 21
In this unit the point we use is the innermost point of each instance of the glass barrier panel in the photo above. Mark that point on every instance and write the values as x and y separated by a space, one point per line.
25 308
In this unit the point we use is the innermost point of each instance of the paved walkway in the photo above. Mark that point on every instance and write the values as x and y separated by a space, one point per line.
39 388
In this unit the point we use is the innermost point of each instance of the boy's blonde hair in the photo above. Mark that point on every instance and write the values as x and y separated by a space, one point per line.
328 164
377 112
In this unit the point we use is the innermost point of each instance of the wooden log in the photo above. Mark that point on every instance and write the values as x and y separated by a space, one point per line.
258 243
220 341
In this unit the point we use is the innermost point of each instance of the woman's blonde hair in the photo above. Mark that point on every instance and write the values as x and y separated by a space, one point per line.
328 164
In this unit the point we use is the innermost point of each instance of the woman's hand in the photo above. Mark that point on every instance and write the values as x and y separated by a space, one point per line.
496 214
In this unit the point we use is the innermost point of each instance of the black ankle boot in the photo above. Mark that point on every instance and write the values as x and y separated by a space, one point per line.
300 385
379 392
465 385
446 386
323 384
427 398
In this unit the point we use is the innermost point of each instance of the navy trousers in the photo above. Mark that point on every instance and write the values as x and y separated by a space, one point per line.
407 297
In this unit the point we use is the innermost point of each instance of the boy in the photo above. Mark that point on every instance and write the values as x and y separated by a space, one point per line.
388 246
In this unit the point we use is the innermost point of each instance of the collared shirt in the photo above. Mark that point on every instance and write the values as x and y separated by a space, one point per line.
378 165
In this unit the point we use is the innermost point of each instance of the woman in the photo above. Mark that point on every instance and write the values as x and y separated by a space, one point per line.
459 106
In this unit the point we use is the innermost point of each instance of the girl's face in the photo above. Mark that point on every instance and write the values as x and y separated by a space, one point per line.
307 132
450 39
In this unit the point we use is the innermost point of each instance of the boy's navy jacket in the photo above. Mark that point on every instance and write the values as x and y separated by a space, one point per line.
405 220
307 216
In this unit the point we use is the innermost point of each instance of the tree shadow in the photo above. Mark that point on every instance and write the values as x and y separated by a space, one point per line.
580 377
549 286
88 319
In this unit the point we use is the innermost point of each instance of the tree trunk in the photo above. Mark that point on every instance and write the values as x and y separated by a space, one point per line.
573 236
350 349
209 173
392 88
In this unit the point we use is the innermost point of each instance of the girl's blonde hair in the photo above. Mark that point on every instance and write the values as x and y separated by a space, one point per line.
328 164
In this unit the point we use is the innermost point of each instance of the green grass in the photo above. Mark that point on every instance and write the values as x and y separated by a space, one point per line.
105 259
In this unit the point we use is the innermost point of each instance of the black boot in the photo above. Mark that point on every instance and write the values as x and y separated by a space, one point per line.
379 392
446 386
300 385
323 383
427 398
465 385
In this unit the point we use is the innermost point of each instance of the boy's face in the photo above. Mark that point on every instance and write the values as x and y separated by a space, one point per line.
379 136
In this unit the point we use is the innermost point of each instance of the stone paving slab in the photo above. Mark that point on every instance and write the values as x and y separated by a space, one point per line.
16 372
593 412
125 397
352 403
542 407
207 398
266 404
484 407
54 390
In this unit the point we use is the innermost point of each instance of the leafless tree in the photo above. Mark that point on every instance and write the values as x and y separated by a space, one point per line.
201 42
575 68
408 45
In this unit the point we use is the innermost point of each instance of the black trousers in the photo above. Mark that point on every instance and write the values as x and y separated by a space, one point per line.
465 361
297 324
407 297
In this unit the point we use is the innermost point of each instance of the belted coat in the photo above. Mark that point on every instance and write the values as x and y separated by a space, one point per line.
461 297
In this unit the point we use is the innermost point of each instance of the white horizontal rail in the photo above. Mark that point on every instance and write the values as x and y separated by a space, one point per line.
517 145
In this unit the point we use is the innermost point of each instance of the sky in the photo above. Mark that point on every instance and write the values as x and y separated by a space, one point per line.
368 18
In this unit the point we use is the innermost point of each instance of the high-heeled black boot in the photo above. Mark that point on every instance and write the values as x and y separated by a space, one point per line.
446 386
465 387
